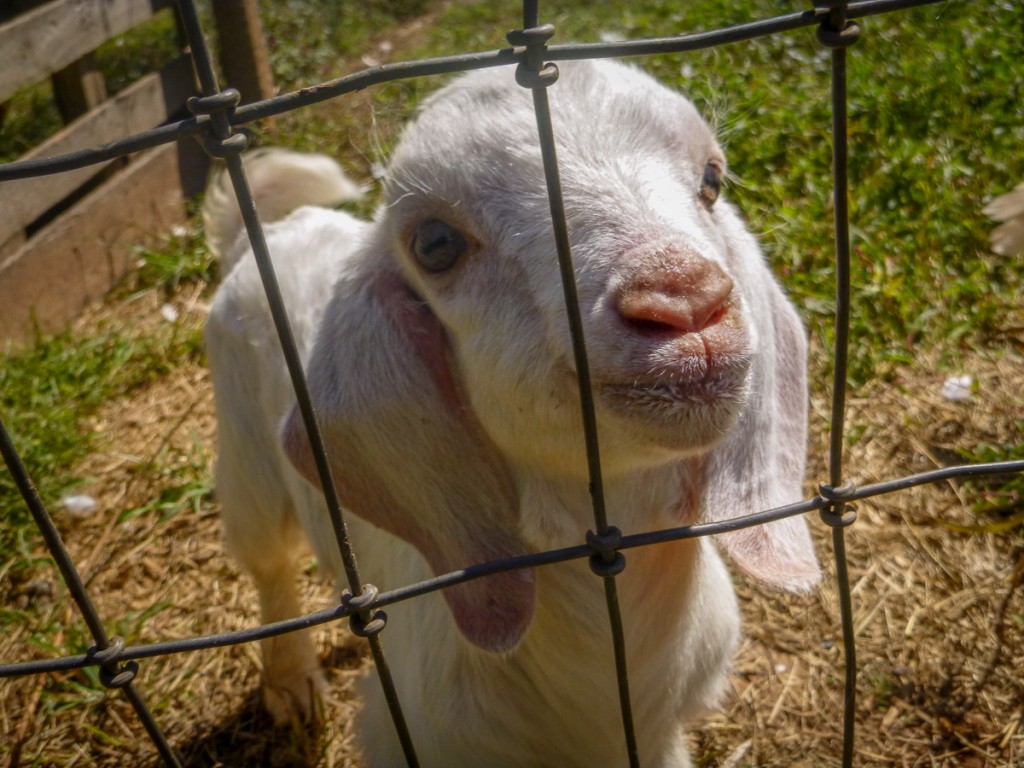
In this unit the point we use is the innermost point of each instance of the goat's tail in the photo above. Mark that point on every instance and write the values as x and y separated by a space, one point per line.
281 181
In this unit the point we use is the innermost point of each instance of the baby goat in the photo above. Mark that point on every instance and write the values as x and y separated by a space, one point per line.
440 364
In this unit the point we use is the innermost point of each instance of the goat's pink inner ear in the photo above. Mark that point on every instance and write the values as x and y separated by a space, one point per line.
493 612
406 454
295 442
778 554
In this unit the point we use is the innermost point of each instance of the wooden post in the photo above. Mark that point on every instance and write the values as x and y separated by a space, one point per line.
78 87
66 238
243 48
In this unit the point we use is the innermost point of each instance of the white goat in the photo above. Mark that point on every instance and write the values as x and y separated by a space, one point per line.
439 360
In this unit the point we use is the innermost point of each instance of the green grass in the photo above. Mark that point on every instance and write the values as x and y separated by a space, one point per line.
998 499
307 41
180 260
30 117
140 50
49 391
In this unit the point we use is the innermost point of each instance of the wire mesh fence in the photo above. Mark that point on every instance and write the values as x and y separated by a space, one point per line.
217 118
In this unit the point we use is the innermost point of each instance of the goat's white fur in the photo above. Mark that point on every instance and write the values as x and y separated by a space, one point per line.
449 407
285 180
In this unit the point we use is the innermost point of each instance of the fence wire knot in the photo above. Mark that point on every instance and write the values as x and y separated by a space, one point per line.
220 105
841 37
836 31
112 674
532 72
606 560
838 514
362 623
533 38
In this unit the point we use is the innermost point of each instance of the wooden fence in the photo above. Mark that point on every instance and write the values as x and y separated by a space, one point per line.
66 238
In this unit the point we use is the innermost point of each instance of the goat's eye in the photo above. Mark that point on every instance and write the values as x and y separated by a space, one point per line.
437 246
710 184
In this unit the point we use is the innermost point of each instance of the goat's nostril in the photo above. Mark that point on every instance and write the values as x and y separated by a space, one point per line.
655 312
648 327
685 296
715 316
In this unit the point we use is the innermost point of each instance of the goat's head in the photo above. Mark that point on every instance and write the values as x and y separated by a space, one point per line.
445 359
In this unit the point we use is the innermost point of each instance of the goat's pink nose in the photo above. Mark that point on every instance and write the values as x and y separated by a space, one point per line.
682 296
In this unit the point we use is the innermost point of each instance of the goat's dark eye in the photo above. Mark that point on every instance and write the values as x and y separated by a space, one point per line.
437 246
710 184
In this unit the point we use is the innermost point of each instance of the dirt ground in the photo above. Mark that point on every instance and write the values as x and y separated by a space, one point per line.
938 603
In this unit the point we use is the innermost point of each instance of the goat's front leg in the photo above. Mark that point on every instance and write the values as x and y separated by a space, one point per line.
293 683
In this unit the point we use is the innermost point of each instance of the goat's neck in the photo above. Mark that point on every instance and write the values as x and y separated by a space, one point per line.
656 594
557 513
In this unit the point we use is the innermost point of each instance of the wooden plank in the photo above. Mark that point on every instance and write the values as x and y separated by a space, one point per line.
87 249
47 39
148 102
243 48
11 245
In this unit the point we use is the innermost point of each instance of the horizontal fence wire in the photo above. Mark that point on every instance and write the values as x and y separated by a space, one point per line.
217 115
533 560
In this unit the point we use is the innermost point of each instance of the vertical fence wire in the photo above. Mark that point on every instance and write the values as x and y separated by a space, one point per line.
224 143
607 562
837 33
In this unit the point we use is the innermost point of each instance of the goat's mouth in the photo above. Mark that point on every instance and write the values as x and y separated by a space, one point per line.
668 395
692 405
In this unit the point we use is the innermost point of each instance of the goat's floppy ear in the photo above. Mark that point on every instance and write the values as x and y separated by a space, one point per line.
406 453
761 464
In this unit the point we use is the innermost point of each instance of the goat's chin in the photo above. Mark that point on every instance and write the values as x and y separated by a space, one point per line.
682 417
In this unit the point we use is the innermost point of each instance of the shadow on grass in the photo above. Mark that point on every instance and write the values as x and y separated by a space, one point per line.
248 736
